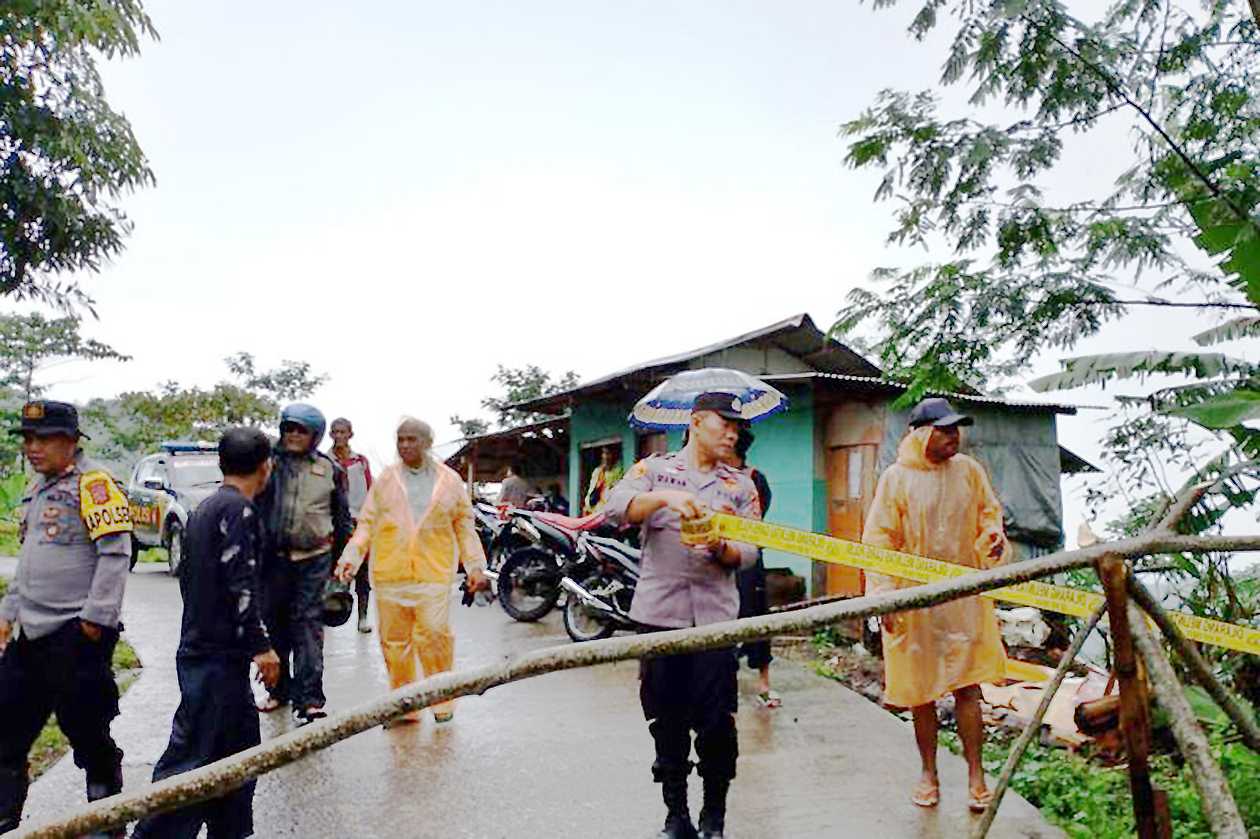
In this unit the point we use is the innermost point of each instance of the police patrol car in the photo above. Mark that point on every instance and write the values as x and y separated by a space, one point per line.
164 490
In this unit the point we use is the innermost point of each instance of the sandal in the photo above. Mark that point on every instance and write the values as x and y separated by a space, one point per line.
927 794
443 716
769 699
270 704
978 803
306 716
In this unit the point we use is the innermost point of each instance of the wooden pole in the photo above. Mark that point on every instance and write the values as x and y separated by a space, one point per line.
1034 725
1134 710
1214 795
1197 666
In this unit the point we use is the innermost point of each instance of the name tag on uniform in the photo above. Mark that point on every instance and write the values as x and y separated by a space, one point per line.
103 506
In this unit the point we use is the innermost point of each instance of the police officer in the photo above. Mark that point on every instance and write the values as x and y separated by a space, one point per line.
59 623
684 586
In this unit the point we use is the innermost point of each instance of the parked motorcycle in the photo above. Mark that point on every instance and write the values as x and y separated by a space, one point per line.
529 580
599 604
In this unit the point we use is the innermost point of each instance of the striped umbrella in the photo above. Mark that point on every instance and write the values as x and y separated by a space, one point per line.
669 404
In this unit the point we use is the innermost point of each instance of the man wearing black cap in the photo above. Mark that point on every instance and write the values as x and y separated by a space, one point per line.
683 586
60 620
937 503
221 632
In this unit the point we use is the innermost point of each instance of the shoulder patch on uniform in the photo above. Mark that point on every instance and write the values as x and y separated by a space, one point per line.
317 468
102 505
638 470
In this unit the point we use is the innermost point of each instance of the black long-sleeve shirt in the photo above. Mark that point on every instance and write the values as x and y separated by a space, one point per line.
220 579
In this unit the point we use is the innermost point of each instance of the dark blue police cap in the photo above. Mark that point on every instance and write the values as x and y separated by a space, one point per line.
43 417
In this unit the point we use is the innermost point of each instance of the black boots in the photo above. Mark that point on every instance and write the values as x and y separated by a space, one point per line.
713 813
97 791
678 821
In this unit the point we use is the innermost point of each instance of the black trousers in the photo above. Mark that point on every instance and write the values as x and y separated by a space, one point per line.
64 674
215 718
362 586
692 692
294 594
753 601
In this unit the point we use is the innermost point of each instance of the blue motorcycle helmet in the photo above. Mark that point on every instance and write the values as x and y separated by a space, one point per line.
307 416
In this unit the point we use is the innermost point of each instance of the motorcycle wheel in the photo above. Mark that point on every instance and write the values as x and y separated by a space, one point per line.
520 604
580 622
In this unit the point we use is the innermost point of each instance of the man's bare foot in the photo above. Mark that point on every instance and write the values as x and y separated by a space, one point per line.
979 797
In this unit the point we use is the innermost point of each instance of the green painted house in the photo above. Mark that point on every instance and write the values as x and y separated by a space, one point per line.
822 457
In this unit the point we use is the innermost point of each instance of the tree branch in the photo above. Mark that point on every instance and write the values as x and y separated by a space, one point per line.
1214 795
1171 304
227 774
1120 92
1034 725
1198 668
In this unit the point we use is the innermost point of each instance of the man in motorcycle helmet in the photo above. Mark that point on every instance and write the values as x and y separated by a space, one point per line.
307 518
690 585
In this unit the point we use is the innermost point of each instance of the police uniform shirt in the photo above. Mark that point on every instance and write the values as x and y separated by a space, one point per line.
76 551
681 586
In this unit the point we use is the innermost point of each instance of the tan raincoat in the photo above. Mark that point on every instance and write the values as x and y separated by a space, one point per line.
946 511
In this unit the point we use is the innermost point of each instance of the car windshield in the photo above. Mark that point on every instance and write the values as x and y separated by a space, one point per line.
188 472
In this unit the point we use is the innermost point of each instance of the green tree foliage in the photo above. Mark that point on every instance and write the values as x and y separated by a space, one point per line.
517 384
31 343
136 421
1030 268
66 157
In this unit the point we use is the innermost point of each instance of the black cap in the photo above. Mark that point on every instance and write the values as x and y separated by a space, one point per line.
937 413
723 404
45 417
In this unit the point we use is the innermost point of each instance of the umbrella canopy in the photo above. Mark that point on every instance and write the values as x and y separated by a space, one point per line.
669 404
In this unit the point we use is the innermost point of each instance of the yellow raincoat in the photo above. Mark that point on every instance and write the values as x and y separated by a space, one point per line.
412 566
946 511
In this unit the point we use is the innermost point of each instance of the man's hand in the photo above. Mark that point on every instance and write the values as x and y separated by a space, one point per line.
345 569
891 622
268 665
477 581
91 631
6 629
683 503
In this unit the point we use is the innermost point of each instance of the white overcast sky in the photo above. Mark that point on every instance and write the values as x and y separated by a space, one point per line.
407 193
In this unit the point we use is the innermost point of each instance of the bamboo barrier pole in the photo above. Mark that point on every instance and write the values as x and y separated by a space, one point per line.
1198 667
1214 795
230 772
1134 704
1034 725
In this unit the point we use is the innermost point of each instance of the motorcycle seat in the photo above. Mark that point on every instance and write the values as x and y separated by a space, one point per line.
571 523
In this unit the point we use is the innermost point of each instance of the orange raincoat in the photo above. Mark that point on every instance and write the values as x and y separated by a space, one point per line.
412 565
946 511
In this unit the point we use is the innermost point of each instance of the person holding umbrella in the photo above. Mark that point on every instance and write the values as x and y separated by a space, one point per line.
686 585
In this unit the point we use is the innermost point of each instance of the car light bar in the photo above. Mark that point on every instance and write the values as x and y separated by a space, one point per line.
176 446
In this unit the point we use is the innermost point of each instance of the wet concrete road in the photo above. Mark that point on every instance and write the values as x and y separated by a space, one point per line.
564 755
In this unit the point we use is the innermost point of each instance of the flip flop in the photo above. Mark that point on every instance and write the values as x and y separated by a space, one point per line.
927 795
309 715
443 716
979 803
769 699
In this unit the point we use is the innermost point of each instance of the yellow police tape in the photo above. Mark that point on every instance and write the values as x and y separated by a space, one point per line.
1052 598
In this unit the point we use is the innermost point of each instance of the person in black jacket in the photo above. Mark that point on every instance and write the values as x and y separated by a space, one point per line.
221 633
752 582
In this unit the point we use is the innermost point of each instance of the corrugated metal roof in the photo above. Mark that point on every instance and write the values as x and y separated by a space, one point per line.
797 335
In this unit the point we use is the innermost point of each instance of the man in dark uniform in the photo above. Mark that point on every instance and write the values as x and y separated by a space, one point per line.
60 620
222 631
307 519
684 586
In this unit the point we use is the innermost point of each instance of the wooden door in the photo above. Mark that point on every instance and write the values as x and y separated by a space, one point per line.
850 488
